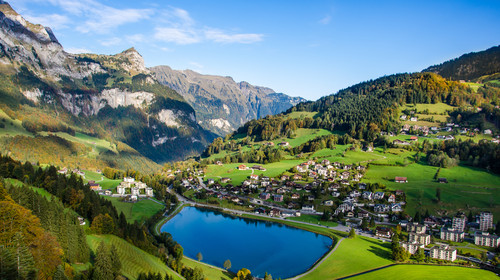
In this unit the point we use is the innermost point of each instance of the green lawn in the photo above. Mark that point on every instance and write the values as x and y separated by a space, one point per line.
301 115
419 272
468 188
437 108
209 271
303 135
313 219
97 145
133 259
138 211
351 257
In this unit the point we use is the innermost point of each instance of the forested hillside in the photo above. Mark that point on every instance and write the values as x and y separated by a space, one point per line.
469 66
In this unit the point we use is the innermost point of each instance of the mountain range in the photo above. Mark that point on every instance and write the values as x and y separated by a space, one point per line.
55 96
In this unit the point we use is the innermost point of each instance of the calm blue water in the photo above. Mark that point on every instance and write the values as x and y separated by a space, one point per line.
257 245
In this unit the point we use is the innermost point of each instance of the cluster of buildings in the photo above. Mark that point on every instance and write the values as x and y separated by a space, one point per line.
129 188
456 232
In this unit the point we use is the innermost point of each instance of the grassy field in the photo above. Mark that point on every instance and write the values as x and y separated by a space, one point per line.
210 272
302 135
419 272
97 145
468 188
436 109
104 182
353 256
133 259
313 219
138 211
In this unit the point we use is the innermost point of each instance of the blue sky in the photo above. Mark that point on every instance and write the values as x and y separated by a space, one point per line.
301 48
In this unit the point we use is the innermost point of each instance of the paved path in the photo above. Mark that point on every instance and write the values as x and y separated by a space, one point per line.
318 263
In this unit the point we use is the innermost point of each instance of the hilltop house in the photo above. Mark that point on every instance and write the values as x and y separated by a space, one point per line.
401 180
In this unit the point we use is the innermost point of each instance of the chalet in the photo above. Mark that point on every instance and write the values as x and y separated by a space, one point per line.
325 162
258 167
487 131
345 175
284 144
285 178
278 198
225 180
383 232
355 193
414 138
378 195
264 196
443 252
443 180
403 117
381 208
295 196
254 177
396 207
265 178
335 194
95 186
210 181
360 168
362 186
400 192
347 167
297 177
344 182
399 142
328 202
81 220
108 192
242 167
271 144
218 162
391 198
367 195
401 180
308 208
363 214
275 213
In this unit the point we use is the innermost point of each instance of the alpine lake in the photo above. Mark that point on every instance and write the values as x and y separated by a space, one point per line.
260 246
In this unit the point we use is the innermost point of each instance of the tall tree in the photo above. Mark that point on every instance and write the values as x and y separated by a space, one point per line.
227 264
103 269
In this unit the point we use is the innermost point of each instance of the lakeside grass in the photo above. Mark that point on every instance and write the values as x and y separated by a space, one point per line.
210 272
133 259
419 272
353 256
313 219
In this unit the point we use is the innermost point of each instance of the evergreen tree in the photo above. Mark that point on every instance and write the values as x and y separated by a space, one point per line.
352 233
115 260
227 265
268 276
25 263
103 269
8 268
59 274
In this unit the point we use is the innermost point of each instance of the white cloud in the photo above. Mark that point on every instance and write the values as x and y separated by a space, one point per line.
54 21
100 18
77 50
326 20
220 36
111 42
177 35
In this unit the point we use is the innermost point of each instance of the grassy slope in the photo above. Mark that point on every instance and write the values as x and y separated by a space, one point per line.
419 272
467 188
313 219
138 211
133 259
209 271
104 182
353 256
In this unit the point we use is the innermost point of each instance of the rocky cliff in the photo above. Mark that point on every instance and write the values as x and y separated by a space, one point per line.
222 104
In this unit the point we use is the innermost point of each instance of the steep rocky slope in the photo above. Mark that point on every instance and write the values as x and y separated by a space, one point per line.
222 104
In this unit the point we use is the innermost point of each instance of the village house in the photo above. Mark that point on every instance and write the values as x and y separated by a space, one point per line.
378 195
218 163
367 195
381 208
391 198
295 196
443 252
328 202
452 234
486 239
383 232
396 207
275 212
225 180
308 208
210 181
264 196
399 142
94 186
242 167
278 198
284 144
411 247
401 180
63 171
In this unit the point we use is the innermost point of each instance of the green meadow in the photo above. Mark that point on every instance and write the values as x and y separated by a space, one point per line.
138 211
419 272
133 259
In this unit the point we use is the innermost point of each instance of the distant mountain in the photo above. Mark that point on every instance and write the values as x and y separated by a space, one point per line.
112 97
223 105
469 66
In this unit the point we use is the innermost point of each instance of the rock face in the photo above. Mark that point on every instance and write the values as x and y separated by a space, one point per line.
113 94
223 105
